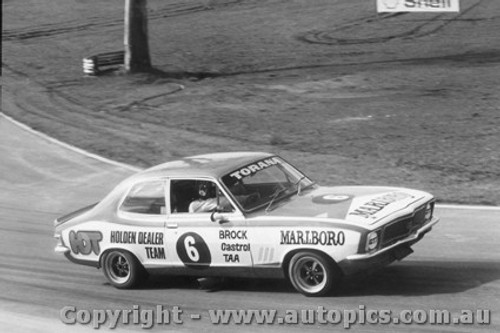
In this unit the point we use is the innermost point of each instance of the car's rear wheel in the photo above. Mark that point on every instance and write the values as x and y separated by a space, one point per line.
312 274
122 269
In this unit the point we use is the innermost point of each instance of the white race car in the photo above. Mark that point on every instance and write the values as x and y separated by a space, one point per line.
243 215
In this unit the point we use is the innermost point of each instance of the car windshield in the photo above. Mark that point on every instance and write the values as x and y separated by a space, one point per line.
265 182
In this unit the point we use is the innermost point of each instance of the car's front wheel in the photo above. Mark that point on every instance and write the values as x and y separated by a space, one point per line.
122 269
312 274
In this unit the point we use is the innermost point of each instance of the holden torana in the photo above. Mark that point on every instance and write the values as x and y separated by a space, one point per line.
243 214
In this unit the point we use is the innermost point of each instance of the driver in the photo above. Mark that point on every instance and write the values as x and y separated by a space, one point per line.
207 200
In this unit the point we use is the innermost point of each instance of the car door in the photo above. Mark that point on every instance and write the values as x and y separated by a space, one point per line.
205 240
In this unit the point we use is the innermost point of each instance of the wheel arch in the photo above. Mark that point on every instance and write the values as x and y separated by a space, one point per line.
289 255
105 252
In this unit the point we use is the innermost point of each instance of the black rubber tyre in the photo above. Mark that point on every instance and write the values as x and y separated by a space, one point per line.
312 274
122 269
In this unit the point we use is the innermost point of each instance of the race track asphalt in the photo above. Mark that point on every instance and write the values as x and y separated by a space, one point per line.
455 267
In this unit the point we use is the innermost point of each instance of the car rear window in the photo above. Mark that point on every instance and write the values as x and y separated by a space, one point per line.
146 198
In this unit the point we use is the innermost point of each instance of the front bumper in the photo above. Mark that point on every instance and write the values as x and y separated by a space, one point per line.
382 257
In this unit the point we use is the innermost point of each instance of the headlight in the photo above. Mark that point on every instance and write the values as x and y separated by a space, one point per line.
429 208
371 241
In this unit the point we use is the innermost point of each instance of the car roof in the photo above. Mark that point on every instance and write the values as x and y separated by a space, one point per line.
209 165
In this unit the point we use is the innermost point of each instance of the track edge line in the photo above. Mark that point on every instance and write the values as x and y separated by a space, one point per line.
70 147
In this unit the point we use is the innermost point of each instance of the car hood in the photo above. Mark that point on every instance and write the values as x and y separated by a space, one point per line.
358 204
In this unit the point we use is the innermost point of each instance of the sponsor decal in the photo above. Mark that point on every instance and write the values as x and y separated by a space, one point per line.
193 251
375 205
253 168
331 198
418 5
238 235
134 237
155 252
142 238
312 237
85 242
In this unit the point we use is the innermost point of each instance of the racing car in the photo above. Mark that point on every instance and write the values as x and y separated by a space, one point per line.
243 214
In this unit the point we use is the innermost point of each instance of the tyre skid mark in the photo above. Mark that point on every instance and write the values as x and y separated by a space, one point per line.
429 27
54 29
59 99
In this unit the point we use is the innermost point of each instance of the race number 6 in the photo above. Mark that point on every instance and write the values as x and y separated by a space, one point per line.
193 251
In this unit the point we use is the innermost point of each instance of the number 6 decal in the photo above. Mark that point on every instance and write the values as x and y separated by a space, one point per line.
193 251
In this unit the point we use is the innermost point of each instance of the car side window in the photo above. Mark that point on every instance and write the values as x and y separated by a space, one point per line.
146 198
197 196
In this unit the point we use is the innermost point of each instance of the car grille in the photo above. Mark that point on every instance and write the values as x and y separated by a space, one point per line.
403 227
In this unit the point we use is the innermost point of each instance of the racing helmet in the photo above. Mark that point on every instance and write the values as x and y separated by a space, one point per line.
206 189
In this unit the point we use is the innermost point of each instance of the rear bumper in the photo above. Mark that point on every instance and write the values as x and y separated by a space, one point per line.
61 249
66 251
387 255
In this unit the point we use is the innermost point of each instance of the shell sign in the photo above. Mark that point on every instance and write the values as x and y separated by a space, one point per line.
418 6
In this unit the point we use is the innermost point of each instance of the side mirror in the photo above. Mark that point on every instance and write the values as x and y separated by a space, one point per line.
218 217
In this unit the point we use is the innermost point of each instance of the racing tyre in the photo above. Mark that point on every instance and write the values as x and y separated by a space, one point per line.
312 274
122 269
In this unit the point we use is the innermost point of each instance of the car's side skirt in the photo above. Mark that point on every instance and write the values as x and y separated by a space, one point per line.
256 272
